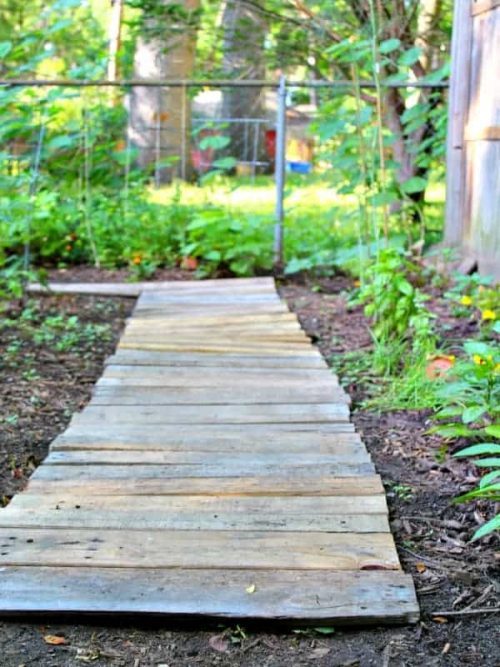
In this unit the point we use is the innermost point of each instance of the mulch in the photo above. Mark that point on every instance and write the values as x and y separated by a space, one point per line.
40 389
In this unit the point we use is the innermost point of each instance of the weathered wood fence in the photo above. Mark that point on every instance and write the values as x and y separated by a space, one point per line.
473 164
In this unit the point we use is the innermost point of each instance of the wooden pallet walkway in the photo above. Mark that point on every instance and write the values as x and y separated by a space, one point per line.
214 472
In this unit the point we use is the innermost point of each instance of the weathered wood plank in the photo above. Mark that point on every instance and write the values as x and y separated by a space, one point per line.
253 506
144 458
122 394
217 414
148 358
222 338
197 549
227 468
229 441
256 485
148 520
219 375
342 598
278 349
188 513
161 319
135 289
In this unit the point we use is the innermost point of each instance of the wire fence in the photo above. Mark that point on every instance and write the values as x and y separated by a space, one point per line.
185 129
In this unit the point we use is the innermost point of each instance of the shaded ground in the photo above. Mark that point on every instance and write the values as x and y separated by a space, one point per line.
42 386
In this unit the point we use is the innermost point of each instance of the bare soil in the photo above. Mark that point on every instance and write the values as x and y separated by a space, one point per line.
41 387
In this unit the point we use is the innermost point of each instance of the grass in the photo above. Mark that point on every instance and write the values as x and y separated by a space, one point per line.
320 224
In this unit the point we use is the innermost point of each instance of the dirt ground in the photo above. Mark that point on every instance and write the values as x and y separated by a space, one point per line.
42 386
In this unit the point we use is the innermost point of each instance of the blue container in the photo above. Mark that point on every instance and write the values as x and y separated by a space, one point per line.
299 167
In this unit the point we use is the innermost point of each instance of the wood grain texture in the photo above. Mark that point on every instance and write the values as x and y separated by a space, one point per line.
252 485
214 414
148 359
214 395
350 455
197 549
308 596
287 443
216 457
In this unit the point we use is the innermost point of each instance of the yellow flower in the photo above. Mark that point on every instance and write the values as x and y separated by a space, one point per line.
477 359
466 300
137 259
488 314
357 283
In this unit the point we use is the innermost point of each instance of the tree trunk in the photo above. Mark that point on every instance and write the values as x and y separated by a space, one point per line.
115 29
243 48
160 118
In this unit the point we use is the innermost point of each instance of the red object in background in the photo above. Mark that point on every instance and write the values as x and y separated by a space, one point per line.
270 142
202 159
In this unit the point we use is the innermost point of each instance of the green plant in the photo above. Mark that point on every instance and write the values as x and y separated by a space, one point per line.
221 239
472 399
395 305
489 485
472 396
476 297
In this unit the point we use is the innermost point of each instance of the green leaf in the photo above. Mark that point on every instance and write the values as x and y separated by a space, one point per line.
478 450
490 492
446 413
225 163
5 48
212 256
452 430
324 630
405 287
217 141
487 528
472 413
489 462
493 429
413 185
389 45
489 478
477 347
410 57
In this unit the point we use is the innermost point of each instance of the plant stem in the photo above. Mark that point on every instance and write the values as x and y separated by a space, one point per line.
380 124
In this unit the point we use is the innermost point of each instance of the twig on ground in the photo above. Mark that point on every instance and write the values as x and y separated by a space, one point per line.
467 612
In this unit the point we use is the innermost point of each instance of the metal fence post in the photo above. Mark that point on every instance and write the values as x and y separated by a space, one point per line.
280 172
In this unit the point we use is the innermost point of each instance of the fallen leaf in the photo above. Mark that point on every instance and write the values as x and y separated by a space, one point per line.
189 263
420 567
325 631
446 648
251 589
439 619
55 640
439 366
219 643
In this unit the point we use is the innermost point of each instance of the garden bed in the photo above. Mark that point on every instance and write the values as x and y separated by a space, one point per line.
47 371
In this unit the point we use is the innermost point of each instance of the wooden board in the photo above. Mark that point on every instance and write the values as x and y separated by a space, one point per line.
217 414
197 549
306 596
148 358
366 514
215 472
147 395
350 455
254 485
229 441
219 375
228 468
